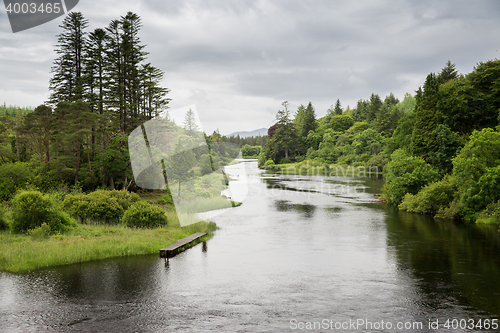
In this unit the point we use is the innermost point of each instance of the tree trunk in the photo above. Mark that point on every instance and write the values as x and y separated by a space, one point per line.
179 193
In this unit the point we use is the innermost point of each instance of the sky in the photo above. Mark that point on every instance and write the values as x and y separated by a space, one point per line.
238 60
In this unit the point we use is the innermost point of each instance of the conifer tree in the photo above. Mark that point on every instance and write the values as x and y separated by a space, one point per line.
67 82
338 108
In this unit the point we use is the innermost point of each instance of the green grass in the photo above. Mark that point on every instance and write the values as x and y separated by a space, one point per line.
20 253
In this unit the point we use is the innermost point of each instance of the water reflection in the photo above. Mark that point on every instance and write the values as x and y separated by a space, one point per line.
459 261
282 255
305 210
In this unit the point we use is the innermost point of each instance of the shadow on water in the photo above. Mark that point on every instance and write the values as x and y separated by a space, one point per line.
452 263
305 210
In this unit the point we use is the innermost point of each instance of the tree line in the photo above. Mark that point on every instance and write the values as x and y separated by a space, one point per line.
437 149
102 87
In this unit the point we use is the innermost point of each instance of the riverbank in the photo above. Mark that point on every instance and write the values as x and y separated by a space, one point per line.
21 253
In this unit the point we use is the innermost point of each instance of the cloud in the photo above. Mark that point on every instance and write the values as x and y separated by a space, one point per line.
238 60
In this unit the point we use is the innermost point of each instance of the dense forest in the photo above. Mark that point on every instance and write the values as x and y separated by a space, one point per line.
102 87
439 150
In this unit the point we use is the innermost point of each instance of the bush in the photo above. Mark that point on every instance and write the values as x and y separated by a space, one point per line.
40 232
406 174
285 161
143 214
432 198
98 206
4 224
31 209
269 163
124 198
491 214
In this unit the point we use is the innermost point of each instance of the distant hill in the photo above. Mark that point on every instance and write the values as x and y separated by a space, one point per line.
245 134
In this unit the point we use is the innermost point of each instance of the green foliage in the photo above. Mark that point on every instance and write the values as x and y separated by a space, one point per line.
40 232
432 197
377 162
205 164
166 200
263 157
31 208
269 163
285 161
13 177
100 206
4 224
250 151
340 123
426 117
470 102
402 136
491 214
448 145
368 142
481 153
482 193
124 198
406 174
285 139
143 214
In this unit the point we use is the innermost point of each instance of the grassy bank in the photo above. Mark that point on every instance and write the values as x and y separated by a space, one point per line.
20 253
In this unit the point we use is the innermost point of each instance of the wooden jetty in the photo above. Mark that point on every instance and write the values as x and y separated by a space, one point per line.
171 250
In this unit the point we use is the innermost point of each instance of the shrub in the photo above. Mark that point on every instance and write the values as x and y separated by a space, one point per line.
431 198
285 161
143 214
406 174
31 209
452 212
124 198
491 214
40 232
99 206
269 163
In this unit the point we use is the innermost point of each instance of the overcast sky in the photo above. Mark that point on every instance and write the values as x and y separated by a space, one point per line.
237 61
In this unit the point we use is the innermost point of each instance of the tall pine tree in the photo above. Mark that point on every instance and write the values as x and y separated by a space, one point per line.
67 82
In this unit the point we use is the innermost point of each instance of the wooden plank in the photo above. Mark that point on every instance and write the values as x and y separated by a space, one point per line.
169 250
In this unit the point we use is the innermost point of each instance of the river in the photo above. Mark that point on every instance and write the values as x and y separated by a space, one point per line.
301 254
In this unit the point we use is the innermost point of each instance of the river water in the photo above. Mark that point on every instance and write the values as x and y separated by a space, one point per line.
304 253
